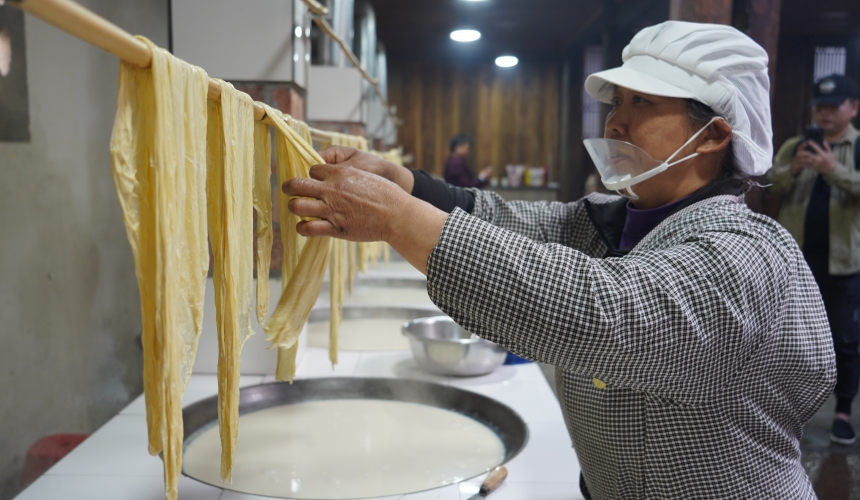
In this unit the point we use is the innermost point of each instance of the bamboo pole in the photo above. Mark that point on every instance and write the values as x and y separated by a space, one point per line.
82 23
89 27
319 12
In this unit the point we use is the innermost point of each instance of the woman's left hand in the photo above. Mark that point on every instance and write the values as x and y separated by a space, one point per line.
349 204
354 205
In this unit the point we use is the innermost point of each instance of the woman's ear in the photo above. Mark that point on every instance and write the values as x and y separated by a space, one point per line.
716 138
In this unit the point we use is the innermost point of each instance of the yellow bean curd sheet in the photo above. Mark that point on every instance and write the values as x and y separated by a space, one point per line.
230 192
178 162
304 260
349 449
158 148
171 175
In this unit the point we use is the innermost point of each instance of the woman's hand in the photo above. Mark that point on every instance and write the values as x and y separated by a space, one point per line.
355 205
343 157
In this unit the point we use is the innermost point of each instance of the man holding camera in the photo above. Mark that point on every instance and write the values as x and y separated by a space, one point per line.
817 177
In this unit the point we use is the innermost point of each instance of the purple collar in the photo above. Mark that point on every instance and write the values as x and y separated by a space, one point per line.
641 222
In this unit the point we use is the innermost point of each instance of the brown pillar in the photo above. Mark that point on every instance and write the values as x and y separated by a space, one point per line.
764 29
572 171
701 11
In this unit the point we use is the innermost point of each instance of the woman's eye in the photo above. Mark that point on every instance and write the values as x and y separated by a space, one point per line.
637 99
615 102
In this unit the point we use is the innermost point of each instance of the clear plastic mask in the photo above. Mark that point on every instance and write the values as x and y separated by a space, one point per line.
622 165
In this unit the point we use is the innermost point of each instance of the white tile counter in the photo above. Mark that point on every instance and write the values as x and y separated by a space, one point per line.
113 463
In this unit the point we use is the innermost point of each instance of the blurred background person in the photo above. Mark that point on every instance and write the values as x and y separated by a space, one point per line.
816 176
457 171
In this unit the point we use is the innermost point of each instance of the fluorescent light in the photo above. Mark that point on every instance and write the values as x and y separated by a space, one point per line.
506 61
298 31
465 35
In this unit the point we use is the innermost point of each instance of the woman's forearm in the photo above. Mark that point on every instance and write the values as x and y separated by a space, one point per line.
415 231
352 204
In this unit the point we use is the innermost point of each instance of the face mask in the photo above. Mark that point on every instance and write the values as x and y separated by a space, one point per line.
622 165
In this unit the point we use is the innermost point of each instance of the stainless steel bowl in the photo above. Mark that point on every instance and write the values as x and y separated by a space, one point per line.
441 346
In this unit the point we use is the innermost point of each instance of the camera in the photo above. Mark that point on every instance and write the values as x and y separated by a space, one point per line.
814 134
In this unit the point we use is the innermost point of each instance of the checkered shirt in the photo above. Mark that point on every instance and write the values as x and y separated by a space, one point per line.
710 336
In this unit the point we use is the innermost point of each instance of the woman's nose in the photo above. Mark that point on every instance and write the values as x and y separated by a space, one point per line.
615 126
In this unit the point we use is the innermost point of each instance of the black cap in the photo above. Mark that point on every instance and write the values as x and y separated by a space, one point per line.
833 90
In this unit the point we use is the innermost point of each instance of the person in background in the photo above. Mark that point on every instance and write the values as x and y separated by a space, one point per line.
819 185
457 173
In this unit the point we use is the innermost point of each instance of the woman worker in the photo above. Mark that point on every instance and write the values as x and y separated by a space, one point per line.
689 335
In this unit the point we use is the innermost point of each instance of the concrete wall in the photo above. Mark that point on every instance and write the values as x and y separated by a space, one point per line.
69 309
334 94
251 40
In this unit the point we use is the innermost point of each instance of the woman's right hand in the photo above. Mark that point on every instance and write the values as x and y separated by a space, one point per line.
350 157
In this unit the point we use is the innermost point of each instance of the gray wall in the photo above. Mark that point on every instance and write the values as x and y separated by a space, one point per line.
69 310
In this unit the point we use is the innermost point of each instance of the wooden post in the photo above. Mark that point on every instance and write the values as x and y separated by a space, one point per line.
701 11
760 20
572 170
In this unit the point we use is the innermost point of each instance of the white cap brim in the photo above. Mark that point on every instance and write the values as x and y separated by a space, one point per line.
631 79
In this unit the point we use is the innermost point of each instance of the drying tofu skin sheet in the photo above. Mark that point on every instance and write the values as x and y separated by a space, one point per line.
263 207
230 192
337 270
305 260
158 152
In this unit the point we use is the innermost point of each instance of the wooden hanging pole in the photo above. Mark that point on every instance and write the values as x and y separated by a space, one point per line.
89 27
82 23
319 12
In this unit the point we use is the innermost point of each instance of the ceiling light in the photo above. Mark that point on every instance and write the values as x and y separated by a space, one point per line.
298 31
465 35
506 61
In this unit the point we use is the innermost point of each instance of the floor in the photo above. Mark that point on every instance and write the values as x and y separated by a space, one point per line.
833 469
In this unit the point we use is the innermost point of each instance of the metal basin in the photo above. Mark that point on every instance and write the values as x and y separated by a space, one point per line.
418 282
365 328
372 312
441 346
500 419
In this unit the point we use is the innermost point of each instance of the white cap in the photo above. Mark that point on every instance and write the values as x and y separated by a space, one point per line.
710 63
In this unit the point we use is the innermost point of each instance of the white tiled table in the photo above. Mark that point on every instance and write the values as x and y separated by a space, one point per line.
113 463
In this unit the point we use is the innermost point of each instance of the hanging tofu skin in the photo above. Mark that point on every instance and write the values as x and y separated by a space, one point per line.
230 191
337 269
291 242
304 267
263 207
158 150
350 250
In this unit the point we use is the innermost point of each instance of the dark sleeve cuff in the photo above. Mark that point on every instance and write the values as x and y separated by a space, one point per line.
441 195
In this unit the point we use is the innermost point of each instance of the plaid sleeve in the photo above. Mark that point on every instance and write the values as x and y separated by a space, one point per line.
677 322
540 221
